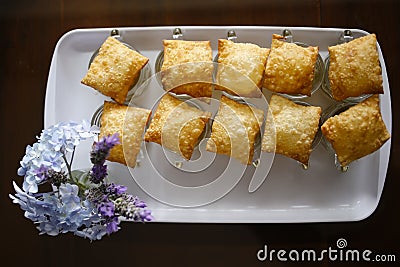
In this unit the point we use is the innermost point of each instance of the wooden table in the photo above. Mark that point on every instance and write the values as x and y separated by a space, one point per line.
30 30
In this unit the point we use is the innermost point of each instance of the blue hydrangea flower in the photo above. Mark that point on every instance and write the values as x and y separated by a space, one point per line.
96 232
69 197
57 212
36 157
66 136
80 202
50 151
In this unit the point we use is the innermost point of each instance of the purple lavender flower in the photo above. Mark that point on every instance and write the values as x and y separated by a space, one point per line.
106 209
98 173
145 215
116 189
132 208
56 178
85 205
112 225
96 194
101 149
100 152
139 203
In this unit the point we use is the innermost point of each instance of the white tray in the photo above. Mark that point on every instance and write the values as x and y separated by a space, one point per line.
289 193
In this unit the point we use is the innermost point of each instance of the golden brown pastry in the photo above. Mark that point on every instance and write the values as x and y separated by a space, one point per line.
290 128
129 123
354 68
235 129
187 67
241 68
114 69
290 67
356 132
177 125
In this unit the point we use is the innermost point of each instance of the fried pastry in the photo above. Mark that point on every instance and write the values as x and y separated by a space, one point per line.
177 126
356 132
187 67
129 123
354 68
290 67
290 128
235 129
114 69
241 68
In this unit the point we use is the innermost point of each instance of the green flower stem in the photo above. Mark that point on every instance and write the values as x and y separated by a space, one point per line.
76 179
68 167
72 157
81 179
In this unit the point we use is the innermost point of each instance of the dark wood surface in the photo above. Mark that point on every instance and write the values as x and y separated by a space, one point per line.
30 30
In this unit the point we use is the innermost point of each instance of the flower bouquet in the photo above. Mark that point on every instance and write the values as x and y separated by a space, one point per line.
81 202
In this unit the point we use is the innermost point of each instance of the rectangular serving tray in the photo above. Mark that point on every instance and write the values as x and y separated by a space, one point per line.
289 193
